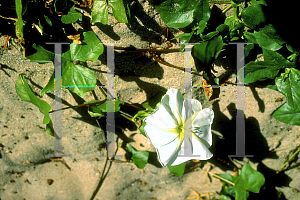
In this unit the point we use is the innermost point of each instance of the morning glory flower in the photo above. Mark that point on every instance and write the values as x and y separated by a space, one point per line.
180 129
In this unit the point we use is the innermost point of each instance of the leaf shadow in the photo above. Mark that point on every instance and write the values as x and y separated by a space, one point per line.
255 144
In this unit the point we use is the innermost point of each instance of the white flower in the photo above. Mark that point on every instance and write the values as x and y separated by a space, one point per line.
179 129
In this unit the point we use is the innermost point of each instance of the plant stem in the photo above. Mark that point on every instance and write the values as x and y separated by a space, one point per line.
221 2
80 105
101 178
289 160
146 50
235 13
223 179
227 8
129 118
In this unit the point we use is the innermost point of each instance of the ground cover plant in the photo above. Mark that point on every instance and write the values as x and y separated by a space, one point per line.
279 70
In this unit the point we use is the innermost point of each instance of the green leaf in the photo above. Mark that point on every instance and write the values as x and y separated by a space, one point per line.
90 50
146 105
141 114
42 55
139 158
50 129
71 17
94 110
118 10
258 2
208 51
263 70
253 16
223 29
100 12
48 20
209 36
229 21
49 87
177 170
103 106
202 11
257 71
142 130
275 59
18 4
184 37
19 23
224 197
250 37
291 48
248 48
75 77
181 13
273 87
98 110
201 26
249 180
268 39
228 189
288 84
288 115
25 93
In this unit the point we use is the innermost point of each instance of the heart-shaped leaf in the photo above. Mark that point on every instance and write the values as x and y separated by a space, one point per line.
181 13
139 158
76 78
249 180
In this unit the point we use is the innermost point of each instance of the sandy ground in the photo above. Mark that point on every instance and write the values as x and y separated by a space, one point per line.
26 173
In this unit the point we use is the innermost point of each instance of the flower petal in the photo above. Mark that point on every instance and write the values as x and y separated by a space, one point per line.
174 102
200 148
161 118
157 136
164 142
195 148
167 154
203 134
204 117
190 106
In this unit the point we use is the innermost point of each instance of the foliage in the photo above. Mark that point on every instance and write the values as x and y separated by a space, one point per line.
25 93
247 25
260 33
249 180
